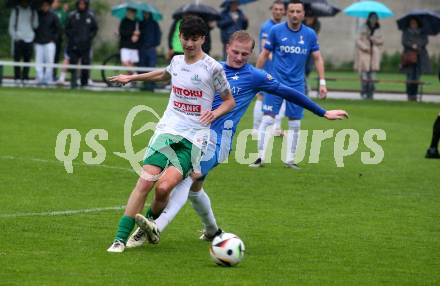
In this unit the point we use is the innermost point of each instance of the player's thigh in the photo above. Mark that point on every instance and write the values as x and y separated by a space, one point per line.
272 104
149 176
293 111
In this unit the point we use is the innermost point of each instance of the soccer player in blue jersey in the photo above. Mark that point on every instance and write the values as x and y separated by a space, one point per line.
278 11
245 81
290 43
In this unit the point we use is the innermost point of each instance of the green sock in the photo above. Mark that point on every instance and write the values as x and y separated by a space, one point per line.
151 215
125 227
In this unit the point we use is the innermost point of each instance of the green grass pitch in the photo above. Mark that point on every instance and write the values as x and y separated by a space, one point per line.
357 225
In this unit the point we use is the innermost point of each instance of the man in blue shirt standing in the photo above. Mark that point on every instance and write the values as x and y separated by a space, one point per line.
278 11
290 43
245 81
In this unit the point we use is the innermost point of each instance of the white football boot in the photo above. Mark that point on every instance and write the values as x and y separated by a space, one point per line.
117 247
149 227
137 238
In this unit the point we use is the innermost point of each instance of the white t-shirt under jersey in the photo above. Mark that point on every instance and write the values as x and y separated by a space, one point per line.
193 87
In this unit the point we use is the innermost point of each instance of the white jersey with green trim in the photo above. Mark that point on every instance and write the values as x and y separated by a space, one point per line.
193 87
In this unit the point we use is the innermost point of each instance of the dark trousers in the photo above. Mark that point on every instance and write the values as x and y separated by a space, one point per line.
22 51
77 55
58 53
413 74
367 84
147 58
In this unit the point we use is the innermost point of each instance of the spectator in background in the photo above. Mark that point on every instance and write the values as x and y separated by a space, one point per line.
174 45
81 28
432 152
150 38
61 11
369 54
415 59
232 19
315 24
22 23
45 37
129 39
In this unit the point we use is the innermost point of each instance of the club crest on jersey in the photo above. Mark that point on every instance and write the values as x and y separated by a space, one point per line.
269 76
235 77
301 40
195 79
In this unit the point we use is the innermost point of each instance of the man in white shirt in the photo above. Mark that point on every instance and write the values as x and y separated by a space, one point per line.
182 133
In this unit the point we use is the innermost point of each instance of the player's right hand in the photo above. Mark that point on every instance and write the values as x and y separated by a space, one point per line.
336 114
122 78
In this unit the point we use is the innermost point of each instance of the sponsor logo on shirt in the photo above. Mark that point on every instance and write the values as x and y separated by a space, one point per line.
195 79
269 76
293 50
187 92
187 108
284 39
235 77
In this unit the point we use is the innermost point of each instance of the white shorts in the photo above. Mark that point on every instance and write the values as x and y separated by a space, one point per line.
129 55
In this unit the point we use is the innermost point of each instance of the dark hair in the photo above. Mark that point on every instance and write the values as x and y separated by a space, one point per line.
242 36
377 26
296 2
277 2
193 26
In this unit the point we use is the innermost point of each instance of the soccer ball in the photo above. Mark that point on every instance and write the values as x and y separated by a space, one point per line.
227 249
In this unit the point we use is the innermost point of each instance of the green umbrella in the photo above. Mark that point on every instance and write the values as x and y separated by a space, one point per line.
119 11
144 7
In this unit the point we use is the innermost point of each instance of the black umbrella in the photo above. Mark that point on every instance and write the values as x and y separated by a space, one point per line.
319 8
208 13
35 4
430 21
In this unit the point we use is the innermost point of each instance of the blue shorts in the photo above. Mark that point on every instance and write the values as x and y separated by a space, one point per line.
216 152
272 105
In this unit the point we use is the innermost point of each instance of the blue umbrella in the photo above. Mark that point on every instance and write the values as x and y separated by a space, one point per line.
364 8
429 20
240 2
119 11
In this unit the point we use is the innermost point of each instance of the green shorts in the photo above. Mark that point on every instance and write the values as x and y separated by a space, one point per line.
167 149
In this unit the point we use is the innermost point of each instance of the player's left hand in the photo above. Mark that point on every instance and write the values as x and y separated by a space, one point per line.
322 91
336 114
207 117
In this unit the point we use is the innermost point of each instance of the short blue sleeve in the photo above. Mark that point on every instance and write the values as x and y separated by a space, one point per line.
314 45
271 40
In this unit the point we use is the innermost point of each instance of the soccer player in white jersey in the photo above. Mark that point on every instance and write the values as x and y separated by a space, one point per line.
245 82
182 133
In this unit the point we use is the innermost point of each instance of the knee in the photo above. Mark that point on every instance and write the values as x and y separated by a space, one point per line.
163 189
144 186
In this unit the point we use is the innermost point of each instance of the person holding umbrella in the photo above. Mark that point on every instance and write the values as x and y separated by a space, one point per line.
368 54
129 38
415 59
232 19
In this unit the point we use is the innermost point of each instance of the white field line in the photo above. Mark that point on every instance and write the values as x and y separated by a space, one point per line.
61 163
62 213
67 212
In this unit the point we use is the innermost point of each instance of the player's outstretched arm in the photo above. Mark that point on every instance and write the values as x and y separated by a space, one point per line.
227 105
156 75
262 58
336 114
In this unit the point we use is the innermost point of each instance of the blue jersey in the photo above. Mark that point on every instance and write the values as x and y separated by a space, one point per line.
244 82
264 34
290 50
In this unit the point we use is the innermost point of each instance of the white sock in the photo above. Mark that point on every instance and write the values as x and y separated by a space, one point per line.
264 133
279 117
258 113
292 140
202 205
177 200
